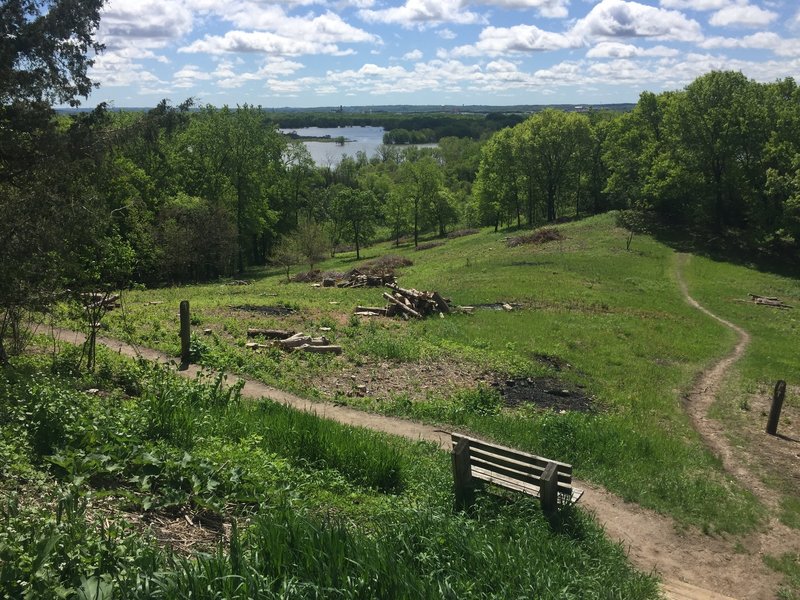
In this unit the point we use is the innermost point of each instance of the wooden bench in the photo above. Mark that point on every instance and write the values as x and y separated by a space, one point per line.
475 459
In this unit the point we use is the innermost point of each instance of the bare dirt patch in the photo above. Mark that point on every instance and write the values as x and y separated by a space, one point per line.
386 379
272 311
546 393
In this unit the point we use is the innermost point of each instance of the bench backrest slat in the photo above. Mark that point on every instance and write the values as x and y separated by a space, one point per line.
511 453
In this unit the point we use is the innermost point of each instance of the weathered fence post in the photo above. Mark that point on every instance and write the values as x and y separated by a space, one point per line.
185 332
549 488
777 404
462 476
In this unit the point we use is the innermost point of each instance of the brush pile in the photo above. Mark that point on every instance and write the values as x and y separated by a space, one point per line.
357 279
407 303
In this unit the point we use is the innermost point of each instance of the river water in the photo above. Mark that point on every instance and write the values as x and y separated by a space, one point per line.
359 139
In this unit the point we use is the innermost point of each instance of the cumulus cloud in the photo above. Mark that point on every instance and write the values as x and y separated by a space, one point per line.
546 8
496 41
763 40
422 13
446 34
620 50
695 4
620 18
144 24
743 14
413 55
261 42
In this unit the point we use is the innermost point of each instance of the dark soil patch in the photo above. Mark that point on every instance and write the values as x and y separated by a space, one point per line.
275 311
554 362
540 236
544 392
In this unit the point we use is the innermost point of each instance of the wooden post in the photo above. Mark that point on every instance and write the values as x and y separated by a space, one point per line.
462 476
185 332
777 404
548 491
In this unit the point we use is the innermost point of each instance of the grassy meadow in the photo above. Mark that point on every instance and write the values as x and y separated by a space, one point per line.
591 314
283 489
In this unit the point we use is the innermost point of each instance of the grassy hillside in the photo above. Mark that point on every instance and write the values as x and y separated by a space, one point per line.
593 317
134 484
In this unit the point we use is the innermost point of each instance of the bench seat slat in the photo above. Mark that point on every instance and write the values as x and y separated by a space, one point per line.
526 488
511 453
523 468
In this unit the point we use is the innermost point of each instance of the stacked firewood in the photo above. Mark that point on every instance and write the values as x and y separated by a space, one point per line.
290 341
407 303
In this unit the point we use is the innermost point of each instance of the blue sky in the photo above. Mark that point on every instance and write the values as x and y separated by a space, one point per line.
369 52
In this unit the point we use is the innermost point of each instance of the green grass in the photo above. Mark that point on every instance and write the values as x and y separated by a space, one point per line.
616 317
315 509
772 355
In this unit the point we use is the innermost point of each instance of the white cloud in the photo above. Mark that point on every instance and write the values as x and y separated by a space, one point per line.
261 42
619 18
496 41
446 34
620 50
763 40
143 24
114 70
743 14
422 13
413 55
546 8
695 4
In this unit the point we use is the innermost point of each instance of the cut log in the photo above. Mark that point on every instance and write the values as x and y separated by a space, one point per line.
441 303
372 309
322 349
270 334
403 307
369 313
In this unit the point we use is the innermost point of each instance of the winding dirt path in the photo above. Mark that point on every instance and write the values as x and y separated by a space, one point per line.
693 566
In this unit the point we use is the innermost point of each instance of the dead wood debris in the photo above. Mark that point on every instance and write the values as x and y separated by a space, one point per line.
288 341
768 301
407 303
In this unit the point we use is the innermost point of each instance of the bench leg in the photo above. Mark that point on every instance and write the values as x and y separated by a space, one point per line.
549 489
462 476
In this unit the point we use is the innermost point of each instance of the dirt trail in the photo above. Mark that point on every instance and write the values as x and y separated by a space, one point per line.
693 566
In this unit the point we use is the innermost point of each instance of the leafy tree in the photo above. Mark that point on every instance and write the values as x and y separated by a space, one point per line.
311 242
421 181
553 144
357 211
286 254
43 59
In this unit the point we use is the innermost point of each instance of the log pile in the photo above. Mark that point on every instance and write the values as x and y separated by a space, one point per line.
407 303
768 301
288 341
